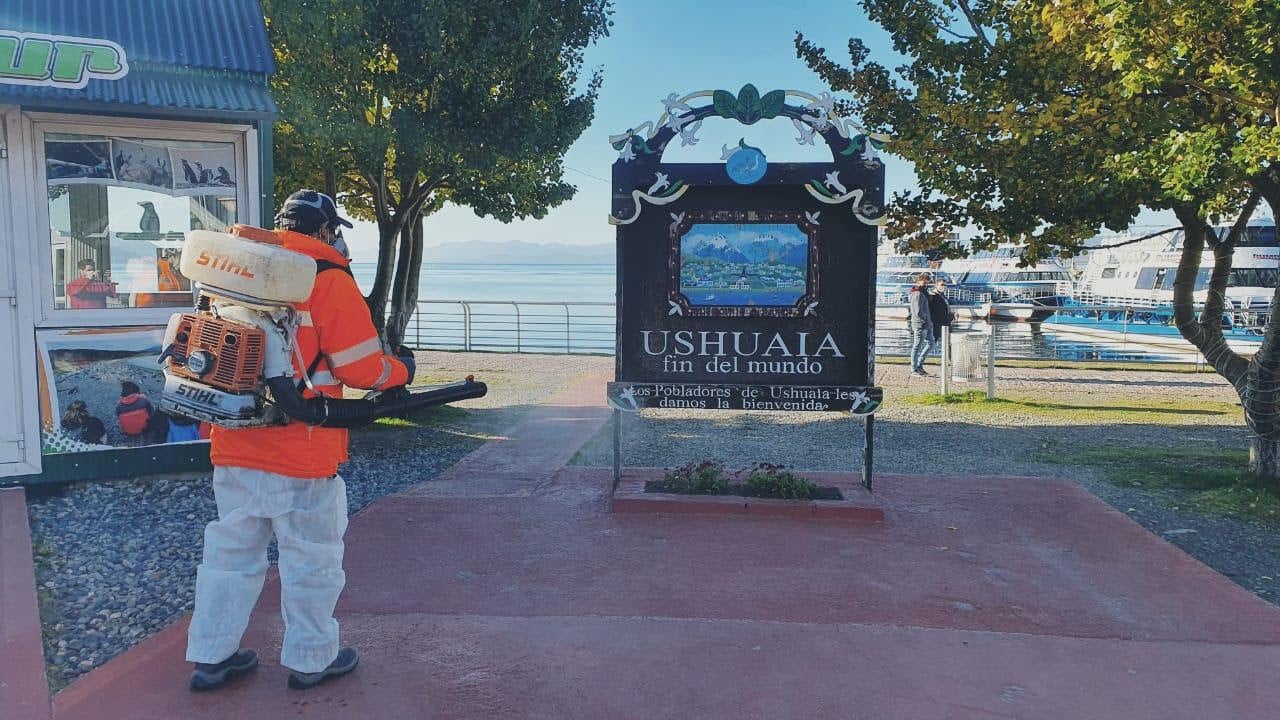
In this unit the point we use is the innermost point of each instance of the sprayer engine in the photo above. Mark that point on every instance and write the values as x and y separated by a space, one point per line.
214 369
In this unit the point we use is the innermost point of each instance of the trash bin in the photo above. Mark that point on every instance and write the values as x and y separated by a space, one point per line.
968 355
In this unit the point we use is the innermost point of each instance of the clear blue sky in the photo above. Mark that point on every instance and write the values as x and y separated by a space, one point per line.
659 47
663 46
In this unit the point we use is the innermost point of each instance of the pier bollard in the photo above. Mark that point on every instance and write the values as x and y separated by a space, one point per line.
946 360
991 362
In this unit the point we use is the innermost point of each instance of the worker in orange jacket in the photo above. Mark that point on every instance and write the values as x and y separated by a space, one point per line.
285 480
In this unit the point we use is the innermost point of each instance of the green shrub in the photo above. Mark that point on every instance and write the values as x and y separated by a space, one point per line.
775 481
704 478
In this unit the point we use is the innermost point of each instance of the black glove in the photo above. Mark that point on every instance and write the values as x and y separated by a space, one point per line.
405 355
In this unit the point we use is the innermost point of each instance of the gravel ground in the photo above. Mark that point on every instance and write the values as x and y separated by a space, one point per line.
116 560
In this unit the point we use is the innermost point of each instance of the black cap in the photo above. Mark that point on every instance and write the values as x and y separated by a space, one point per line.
310 210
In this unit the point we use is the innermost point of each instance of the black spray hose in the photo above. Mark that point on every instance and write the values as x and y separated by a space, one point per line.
337 413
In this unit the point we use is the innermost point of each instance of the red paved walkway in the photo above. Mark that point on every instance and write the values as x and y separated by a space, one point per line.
504 590
23 691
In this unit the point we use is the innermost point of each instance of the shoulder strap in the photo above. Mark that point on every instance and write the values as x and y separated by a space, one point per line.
322 266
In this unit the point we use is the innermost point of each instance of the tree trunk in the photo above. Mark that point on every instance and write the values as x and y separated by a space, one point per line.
1261 396
1264 460
331 183
388 233
410 297
401 311
1205 331
1255 380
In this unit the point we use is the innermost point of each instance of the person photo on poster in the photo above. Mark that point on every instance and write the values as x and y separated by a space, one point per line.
139 165
97 385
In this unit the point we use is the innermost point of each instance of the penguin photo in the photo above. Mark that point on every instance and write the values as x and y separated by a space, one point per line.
150 221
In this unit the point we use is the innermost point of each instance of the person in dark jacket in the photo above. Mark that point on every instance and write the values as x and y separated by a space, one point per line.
83 426
921 323
133 412
940 314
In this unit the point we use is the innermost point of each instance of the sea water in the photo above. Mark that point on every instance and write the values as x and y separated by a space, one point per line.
498 282
554 315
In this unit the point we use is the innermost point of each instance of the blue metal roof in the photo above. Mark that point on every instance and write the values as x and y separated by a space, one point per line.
210 57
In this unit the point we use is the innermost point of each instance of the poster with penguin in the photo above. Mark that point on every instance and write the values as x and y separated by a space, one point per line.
176 169
142 165
204 170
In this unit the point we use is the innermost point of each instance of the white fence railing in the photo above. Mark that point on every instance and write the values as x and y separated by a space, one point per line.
589 328
513 326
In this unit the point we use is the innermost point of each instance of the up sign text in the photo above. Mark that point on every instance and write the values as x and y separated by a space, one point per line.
58 61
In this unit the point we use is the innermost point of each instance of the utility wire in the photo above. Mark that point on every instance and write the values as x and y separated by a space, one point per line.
593 177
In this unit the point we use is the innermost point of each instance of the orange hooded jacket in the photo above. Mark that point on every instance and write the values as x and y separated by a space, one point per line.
336 325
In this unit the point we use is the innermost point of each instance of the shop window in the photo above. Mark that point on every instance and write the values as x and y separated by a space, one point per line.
119 211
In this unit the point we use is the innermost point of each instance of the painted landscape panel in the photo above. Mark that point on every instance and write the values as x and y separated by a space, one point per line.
749 264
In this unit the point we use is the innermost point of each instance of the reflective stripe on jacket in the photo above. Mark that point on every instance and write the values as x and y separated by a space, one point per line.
337 327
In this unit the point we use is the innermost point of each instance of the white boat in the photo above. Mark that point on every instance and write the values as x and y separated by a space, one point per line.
1016 293
1125 294
1141 275
896 275
1149 329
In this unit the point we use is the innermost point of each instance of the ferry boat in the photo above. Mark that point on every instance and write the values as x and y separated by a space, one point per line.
1141 275
1145 329
896 275
1017 293
1127 292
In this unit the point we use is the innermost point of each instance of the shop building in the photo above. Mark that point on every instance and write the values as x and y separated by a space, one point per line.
124 125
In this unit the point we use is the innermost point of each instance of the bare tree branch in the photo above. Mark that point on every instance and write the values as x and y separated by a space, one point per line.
1136 240
973 22
951 32
1228 96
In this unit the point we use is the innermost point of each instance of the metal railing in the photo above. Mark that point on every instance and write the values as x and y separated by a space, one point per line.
590 327
513 326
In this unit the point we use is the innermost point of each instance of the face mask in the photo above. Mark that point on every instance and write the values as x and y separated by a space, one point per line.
341 245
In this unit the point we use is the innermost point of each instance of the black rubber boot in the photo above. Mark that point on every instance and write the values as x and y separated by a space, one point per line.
345 662
209 676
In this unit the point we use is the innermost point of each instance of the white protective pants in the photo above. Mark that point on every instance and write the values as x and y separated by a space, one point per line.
309 518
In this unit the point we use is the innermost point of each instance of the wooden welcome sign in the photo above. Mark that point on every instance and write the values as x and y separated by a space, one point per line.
745 285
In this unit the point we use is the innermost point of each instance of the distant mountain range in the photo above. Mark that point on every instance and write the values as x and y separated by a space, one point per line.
718 248
761 248
520 253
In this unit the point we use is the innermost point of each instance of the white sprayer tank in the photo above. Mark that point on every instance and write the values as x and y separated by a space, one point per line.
248 269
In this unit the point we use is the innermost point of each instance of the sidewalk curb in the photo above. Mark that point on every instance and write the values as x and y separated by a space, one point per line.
24 692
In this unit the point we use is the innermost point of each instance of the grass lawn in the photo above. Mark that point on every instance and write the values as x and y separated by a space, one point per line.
1217 480
1082 410
1104 365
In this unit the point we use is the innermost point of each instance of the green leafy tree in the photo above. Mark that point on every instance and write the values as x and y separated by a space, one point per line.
401 106
1041 121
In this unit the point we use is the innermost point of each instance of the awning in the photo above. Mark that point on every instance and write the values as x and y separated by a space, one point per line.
209 58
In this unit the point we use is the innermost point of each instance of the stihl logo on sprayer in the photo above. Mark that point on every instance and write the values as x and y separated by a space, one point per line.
223 263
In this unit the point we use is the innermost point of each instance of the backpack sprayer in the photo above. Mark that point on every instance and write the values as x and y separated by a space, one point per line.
230 362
